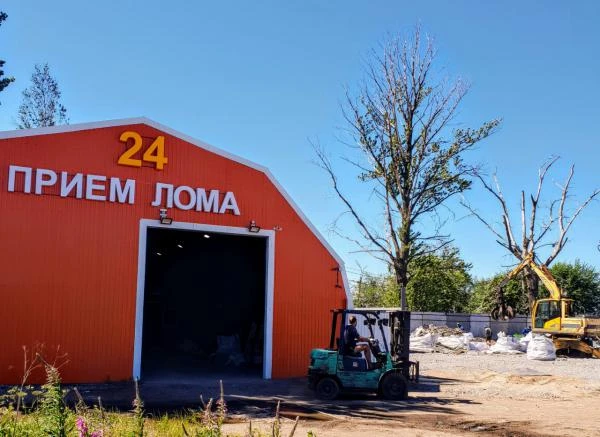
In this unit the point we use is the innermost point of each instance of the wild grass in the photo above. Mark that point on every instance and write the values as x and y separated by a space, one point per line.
31 412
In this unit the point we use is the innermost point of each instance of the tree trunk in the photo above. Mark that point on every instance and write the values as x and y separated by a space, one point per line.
401 279
530 284
401 264
403 304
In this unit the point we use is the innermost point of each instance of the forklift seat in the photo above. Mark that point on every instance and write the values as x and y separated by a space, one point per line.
354 363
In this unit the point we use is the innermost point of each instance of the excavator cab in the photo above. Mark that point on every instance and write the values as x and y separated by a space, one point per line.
547 314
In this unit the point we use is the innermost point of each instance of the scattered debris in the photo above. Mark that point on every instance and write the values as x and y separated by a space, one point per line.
432 338
442 331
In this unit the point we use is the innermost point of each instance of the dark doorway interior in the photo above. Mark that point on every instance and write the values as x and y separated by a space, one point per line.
204 303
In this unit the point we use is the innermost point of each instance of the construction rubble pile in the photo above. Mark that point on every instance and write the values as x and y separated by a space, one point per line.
442 339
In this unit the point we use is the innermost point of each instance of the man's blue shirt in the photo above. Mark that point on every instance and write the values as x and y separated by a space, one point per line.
351 337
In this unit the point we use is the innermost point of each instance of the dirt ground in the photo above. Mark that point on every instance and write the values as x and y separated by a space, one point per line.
458 395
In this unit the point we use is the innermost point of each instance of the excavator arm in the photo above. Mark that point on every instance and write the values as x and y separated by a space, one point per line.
503 311
547 279
553 316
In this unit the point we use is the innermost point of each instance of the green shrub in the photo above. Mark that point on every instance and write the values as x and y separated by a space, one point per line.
53 411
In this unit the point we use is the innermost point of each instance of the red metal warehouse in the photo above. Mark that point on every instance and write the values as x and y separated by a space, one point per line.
134 249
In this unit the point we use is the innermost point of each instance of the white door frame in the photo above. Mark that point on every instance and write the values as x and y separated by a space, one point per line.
270 279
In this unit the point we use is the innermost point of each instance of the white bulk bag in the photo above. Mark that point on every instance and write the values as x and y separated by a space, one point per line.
479 346
422 343
541 348
504 345
454 342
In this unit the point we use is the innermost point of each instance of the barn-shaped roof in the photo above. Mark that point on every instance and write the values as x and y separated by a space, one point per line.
201 144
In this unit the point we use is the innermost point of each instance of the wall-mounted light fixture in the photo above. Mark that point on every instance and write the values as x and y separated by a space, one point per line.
163 218
253 227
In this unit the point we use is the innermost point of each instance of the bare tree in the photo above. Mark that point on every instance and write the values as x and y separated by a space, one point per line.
41 104
535 234
400 125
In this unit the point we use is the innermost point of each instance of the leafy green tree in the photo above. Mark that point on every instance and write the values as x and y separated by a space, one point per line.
438 282
483 295
4 81
402 122
41 104
375 291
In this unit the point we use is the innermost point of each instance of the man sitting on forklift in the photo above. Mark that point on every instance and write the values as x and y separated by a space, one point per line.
351 339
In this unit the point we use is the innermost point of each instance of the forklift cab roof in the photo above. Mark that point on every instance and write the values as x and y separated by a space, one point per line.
372 316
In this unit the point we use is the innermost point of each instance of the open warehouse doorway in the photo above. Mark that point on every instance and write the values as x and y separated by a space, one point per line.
205 302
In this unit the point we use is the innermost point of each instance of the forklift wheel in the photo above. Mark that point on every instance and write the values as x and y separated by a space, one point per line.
327 389
393 387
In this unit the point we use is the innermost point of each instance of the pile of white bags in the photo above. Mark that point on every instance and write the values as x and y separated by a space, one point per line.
452 342
505 345
541 348
422 341
428 339
478 346
456 342
538 347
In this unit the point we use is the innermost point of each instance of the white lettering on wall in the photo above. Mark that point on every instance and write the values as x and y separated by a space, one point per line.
91 185
158 195
102 188
12 172
210 204
122 194
44 178
191 194
229 204
67 186
186 198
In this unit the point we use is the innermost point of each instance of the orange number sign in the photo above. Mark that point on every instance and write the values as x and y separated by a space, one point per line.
155 153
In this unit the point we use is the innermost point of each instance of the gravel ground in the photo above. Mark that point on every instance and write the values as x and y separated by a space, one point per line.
581 368
508 376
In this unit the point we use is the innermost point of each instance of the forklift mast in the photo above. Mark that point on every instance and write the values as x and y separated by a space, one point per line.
399 322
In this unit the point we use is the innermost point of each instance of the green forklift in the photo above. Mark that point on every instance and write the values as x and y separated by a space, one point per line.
338 368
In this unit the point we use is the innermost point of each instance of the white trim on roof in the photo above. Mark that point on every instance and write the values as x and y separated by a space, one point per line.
20 133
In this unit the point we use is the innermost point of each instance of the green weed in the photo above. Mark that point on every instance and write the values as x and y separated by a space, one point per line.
27 412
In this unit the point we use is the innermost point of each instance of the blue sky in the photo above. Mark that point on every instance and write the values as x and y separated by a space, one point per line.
260 79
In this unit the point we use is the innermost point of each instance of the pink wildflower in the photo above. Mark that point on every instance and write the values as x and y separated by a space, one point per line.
82 427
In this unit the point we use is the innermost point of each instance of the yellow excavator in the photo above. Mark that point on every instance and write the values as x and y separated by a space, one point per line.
553 316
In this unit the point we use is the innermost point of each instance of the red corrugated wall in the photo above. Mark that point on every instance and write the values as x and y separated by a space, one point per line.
68 271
